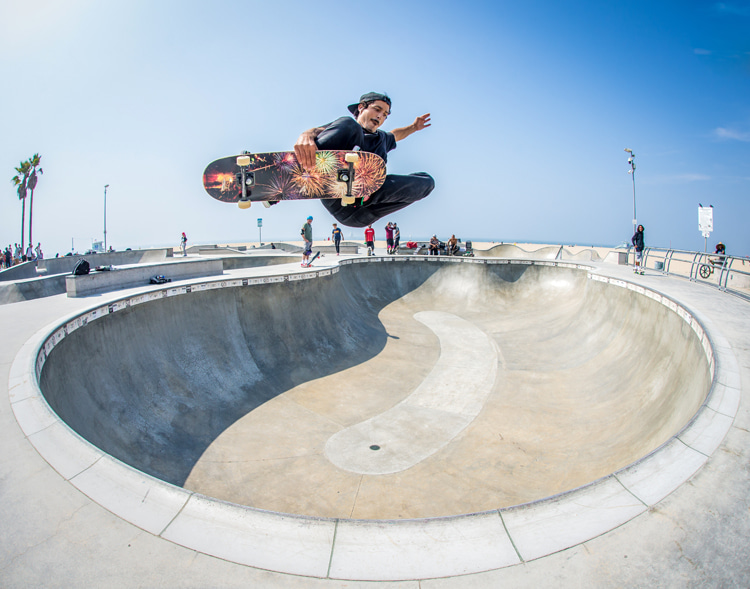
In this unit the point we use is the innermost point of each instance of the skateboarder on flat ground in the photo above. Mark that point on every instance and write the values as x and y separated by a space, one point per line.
306 233
637 241
364 132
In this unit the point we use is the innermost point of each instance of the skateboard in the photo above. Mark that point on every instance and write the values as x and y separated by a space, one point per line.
315 257
275 176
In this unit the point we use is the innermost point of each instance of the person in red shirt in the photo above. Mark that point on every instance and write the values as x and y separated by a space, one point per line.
370 239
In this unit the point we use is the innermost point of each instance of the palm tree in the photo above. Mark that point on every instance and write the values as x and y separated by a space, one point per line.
31 184
20 180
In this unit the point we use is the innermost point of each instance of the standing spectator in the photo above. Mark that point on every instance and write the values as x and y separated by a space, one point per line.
183 244
29 253
396 237
637 241
8 257
389 238
18 254
336 234
370 240
306 234
38 250
434 246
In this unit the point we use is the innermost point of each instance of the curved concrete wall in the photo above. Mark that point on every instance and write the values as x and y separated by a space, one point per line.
590 378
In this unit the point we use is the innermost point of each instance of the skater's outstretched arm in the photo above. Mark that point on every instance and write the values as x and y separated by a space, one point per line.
418 124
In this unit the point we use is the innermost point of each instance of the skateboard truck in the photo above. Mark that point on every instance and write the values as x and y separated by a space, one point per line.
347 175
246 180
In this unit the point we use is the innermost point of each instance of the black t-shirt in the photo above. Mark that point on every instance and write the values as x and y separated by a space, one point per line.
379 143
344 133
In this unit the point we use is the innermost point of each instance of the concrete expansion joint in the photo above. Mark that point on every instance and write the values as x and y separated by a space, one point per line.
677 438
510 537
626 488
333 548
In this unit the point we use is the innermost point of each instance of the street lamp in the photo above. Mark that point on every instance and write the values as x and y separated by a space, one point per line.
105 217
631 161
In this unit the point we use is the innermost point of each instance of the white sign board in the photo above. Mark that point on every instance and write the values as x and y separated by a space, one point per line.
706 220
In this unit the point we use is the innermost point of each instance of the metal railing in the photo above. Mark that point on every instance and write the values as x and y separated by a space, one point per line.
727 273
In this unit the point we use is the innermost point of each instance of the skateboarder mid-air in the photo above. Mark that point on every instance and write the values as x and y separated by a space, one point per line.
364 132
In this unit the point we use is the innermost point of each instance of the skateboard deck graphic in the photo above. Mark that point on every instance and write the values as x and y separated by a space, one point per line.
279 176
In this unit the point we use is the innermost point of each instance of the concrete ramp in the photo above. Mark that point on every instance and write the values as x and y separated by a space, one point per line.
513 252
22 271
389 389
580 254
31 288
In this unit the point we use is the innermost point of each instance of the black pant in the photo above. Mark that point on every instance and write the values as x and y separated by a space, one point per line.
337 243
396 192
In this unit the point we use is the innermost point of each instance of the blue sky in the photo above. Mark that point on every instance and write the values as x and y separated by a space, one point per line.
532 105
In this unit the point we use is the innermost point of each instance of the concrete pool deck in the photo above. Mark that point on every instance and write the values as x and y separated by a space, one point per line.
55 535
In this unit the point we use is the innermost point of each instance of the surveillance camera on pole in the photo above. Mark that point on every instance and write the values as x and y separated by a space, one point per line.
631 161
105 217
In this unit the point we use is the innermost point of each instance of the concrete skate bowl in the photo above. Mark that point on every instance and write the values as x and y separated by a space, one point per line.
381 419
391 390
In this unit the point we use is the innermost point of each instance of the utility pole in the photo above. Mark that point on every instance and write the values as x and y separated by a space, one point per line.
105 217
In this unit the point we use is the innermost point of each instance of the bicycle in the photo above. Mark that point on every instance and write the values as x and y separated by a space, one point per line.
705 270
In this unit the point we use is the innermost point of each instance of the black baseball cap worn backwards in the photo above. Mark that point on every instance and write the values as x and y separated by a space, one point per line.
369 97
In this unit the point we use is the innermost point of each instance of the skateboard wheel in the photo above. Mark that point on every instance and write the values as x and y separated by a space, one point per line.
351 157
244 204
243 160
347 200
267 204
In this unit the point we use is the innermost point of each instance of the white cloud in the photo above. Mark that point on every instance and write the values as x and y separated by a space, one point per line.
692 178
698 51
734 134
732 9
42 22
669 179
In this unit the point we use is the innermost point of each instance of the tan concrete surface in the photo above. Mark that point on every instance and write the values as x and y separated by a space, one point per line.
590 379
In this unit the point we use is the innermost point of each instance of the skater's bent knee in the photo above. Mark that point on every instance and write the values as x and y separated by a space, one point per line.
427 182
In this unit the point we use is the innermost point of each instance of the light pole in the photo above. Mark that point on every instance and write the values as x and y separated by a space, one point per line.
631 161
105 217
